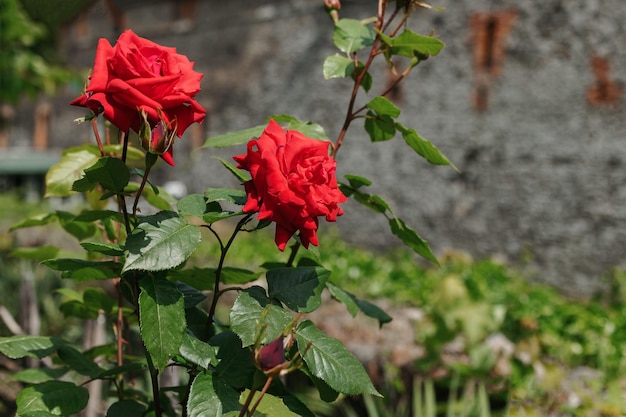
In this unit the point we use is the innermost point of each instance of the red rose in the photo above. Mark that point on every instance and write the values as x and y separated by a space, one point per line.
293 183
137 75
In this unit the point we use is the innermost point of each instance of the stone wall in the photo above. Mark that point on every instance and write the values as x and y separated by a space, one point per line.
526 99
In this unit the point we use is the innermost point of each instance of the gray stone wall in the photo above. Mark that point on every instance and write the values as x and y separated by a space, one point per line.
537 129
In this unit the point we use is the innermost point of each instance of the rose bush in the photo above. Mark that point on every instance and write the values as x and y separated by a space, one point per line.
233 363
293 183
139 76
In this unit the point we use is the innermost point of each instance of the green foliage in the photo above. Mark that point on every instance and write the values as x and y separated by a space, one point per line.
162 241
23 68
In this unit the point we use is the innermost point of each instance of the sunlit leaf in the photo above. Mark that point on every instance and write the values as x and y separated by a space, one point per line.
328 359
162 318
211 397
338 66
423 147
62 175
234 138
410 238
111 173
249 319
160 242
351 35
19 346
197 352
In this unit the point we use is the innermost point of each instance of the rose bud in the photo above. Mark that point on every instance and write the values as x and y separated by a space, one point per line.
158 140
271 355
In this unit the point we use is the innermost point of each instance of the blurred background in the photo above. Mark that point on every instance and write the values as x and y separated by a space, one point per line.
526 99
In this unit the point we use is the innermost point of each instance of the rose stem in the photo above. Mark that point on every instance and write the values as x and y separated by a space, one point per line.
292 255
350 115
218 271
94 125
263 391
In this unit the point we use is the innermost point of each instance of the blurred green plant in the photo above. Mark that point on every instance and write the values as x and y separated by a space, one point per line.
23 69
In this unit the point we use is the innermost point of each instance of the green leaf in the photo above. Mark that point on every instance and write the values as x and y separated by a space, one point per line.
232 275
111 173
226 194
241 175
39 375
160 242
382 106
126 408
38 347
379 127
411 44
62 175
328 359
191 295
235 365
80 230
83 185
354 304
79 362
94 215
357 181
80 270
129 367
249 320
423 147
410 238
159 199
53 397
202 279
37 254
192 205
372 201
372 310
308 129
271 405
211 397
38 220
97 299
87 305
337 66
132 153
351 35
78 309
197 352
299 288
162 318
105 248
234 138
344 297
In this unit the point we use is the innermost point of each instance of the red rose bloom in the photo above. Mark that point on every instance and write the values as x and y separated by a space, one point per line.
293 183
137 75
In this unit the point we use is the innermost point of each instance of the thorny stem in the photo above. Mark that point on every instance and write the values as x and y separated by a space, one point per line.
218 271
